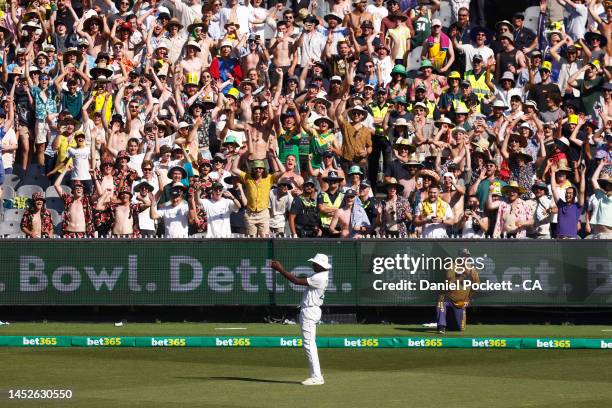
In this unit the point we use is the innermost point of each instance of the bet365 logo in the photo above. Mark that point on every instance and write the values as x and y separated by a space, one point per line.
39 341
360 342
180 342
233 342
290 342
104 341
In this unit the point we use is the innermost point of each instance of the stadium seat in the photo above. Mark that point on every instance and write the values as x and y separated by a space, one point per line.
10 228
13 214
444 14
55 216
28 190
55 203
414 59
34 170
36 180
8 192
532 16
50 191
11 180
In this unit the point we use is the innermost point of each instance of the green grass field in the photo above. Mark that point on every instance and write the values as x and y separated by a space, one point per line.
223 378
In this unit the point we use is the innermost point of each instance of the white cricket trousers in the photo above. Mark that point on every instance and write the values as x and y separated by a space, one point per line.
309 317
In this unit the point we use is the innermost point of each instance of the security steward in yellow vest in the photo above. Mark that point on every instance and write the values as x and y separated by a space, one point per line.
468 98
381 145
419 96
478 78
329 201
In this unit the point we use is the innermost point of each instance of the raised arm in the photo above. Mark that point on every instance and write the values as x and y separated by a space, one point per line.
277 266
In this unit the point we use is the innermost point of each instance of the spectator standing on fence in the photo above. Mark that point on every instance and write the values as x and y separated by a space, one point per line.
257 186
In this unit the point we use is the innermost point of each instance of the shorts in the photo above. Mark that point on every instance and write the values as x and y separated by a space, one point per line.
68 234
41 130
257 223
23 131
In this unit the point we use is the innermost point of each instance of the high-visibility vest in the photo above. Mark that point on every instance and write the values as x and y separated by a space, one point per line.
326 218
431 107
379 112
459 103
479 86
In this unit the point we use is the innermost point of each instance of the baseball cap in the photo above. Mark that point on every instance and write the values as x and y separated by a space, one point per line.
546 65
436 22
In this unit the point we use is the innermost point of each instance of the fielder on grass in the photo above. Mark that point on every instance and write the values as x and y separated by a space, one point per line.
452 305
310 310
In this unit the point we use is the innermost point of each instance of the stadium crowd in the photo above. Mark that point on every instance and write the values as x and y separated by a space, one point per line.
312 118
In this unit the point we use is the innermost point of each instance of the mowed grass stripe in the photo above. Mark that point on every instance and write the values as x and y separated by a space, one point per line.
355 378
261 329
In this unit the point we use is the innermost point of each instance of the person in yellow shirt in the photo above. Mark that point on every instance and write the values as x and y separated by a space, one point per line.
398 40
257 185
65 140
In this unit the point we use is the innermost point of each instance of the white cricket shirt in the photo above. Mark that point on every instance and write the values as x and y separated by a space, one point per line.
315 293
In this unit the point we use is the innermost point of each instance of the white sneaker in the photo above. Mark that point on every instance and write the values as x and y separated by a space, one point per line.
313 381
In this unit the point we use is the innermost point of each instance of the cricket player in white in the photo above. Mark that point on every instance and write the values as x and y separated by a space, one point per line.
310 310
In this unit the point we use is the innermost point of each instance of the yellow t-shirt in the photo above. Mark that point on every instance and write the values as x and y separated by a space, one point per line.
257 192
399 37
62 150
99 105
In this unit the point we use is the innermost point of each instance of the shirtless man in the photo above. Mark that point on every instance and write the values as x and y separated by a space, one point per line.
36 221
328 164
95 30
453 196
116 137
135 114
78 219
257 55
123 214
207 45
357 16
248 101
105 180
343 217
283 52
291 174
192 63
260 137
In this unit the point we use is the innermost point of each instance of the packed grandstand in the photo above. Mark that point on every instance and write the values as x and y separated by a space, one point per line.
412 119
